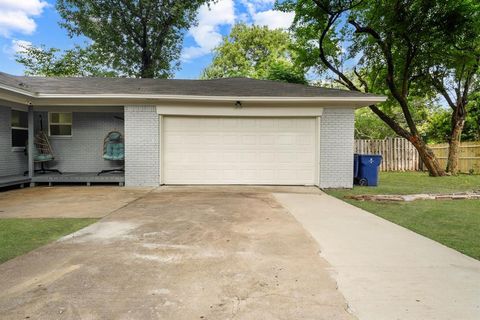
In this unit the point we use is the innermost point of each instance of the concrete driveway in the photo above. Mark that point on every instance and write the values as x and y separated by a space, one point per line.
173 253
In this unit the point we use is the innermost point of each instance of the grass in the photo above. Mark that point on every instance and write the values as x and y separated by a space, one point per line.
18 236
454 223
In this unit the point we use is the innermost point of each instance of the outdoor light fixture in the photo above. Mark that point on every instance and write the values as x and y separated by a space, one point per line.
238 105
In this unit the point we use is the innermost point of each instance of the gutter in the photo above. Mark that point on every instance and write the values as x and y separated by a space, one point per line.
53 96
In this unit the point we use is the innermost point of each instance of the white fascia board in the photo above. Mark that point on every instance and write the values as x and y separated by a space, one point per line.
17 90
229 111
366 99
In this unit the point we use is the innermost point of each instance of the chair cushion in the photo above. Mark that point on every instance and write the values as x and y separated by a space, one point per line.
42 157
114 136
114 151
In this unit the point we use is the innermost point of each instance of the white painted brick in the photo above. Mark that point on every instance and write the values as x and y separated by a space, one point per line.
336 148
142 160
84 150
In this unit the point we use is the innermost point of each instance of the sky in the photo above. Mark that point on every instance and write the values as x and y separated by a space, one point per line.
35 22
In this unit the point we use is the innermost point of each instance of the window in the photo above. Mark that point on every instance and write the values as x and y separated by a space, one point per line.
19 124
60 124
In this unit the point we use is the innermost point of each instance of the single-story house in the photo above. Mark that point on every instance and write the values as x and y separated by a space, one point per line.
224 131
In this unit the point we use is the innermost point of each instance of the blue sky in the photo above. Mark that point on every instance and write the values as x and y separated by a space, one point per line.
35 22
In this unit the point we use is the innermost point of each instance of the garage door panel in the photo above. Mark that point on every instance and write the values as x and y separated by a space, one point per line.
208 150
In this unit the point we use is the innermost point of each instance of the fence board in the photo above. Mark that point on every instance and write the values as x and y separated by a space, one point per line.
400 155
469 156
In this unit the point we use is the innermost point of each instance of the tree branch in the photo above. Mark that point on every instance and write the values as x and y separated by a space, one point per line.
440 86
387 52
390 122
349 84
361 79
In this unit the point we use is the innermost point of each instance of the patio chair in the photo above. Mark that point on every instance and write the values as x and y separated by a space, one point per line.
42 151
113 150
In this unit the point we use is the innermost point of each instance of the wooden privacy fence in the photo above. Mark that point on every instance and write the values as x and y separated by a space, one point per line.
400 155
468 156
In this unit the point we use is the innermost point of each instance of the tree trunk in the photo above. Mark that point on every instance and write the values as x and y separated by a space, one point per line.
146 70
428 157
426 154
458 123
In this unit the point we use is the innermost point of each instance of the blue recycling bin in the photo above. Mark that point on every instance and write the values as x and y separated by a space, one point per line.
355 167
366 167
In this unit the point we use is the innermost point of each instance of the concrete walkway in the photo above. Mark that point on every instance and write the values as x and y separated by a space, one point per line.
386 271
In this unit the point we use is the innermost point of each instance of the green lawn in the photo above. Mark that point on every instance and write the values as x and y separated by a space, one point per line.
18 236
455 223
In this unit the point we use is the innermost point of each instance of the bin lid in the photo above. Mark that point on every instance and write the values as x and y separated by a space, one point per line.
371 159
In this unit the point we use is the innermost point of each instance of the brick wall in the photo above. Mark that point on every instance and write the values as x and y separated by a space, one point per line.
83 151
142 161
336 148
11 162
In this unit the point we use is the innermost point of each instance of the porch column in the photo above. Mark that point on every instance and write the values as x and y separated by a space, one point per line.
31 165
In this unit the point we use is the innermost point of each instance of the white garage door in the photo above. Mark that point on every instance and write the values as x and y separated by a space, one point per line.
221 150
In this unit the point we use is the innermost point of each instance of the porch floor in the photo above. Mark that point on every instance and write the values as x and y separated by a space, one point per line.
80 177
13 180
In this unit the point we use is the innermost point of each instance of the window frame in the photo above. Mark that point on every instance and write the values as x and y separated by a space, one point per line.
50 123
17 148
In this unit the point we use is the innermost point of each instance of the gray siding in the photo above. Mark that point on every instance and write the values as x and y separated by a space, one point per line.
83 151
336 148
142 158
11 162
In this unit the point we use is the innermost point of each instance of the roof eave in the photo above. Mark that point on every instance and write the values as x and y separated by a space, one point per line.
36 98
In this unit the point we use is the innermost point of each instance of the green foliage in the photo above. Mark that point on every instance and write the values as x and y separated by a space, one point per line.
307 28
440 125
390 43
255 52
18 236
52 62
135 38
369 126
286 72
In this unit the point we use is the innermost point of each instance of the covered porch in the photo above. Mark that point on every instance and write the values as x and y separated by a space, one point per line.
78 138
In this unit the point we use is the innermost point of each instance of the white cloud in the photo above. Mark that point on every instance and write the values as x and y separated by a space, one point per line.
17 16
261 13
19 46
253 6
16 46
274 19
206 34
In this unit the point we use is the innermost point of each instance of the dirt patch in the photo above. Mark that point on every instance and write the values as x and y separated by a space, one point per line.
413 197
66 202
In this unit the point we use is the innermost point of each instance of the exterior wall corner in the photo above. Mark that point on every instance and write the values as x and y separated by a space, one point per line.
142 143
336 148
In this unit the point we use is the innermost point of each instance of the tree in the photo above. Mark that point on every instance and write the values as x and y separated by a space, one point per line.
255 52
140 38
439 127
52 62
389 41
456 77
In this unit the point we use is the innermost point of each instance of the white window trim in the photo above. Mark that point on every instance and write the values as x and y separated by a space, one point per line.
60 124
18 149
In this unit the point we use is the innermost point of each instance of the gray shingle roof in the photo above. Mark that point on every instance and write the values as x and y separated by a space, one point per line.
240 87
